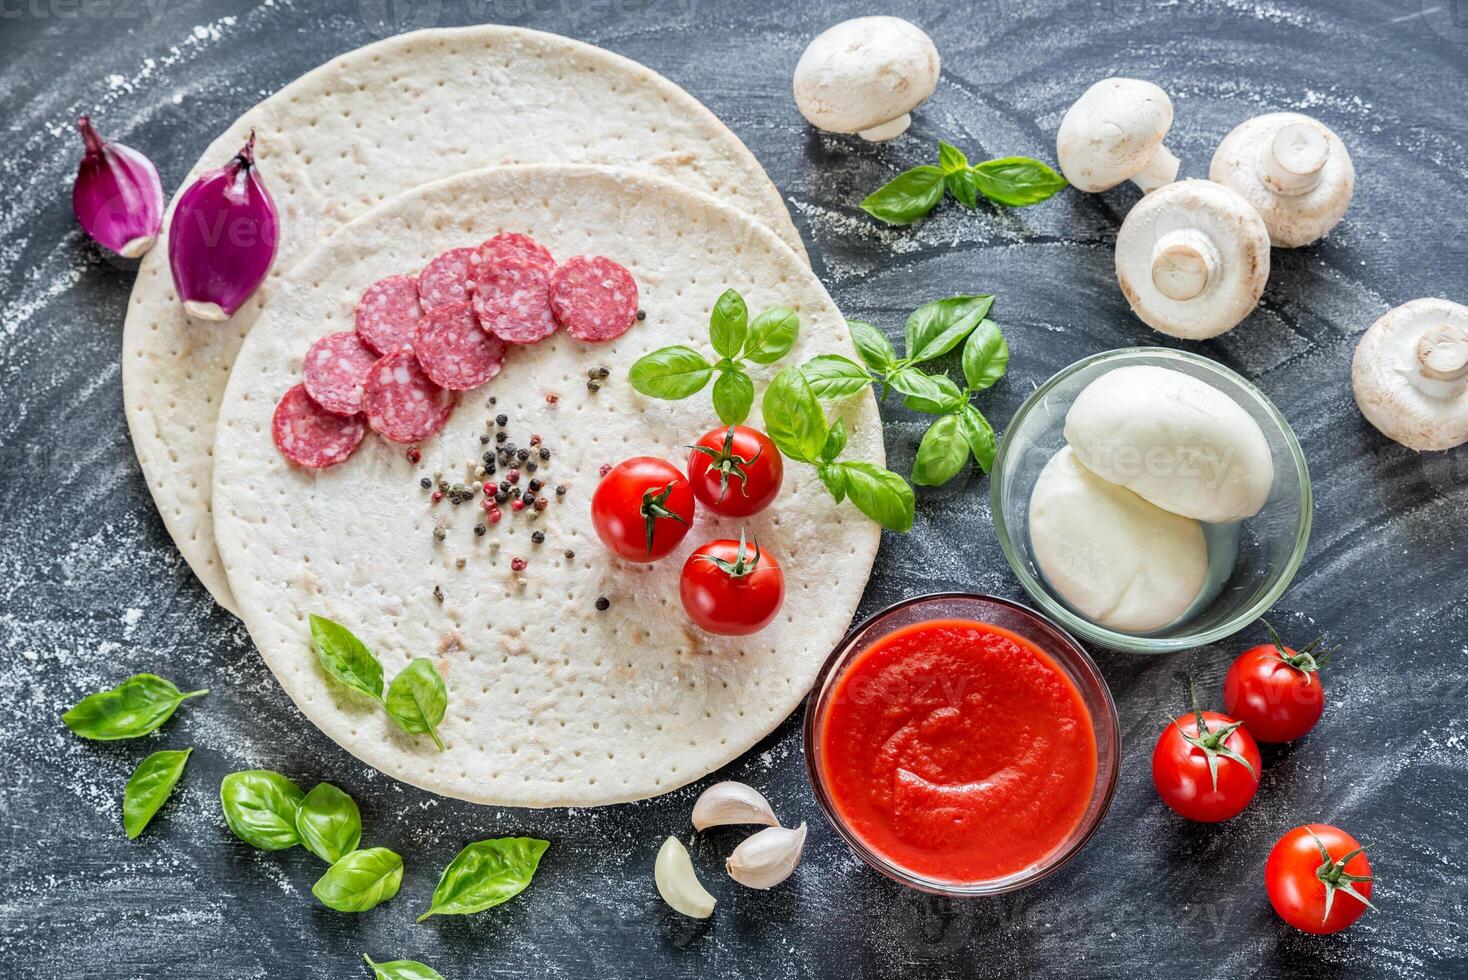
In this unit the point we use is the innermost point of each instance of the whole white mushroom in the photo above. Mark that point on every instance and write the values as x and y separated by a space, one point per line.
1293 169
1410 374
1114 132
1192 259
865 76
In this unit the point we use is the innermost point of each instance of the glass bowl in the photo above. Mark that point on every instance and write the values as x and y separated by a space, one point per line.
1270 545
1061 647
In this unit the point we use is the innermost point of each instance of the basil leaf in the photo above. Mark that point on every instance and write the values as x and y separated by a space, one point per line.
833 377
835 442
149 787
670 373
485 874
733 396
873 346
878 493
964 187
907 197
329 823
834 477
944 398
360 881
260 807
915 382
135 707
794 419
728 324
980 436
1017 181
951 158
941 454
935 328
402 970
345 657
417 698
985 356
771 335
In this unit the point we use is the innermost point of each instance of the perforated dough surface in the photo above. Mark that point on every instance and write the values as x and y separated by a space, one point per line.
550 701
366 126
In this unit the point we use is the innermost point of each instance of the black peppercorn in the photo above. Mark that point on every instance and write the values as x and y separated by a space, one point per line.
602 372
560 489
492 399
522 454
538 537
479 530
535 486
531 467
501 436
502 420
603 604
501 496
426 483
544 453
570 554
642 314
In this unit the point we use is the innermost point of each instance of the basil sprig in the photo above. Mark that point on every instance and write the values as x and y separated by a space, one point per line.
402 970
149 787
329 823
485 874
417 697
135 707
360 880
796 423
676 372
260 808
1011 181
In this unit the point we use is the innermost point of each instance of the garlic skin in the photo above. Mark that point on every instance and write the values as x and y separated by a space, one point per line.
678 883
767 858
117 196
726 803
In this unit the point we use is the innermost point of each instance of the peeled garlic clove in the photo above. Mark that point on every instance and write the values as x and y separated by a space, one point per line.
732 803
222 238
678 883
767 858
117 196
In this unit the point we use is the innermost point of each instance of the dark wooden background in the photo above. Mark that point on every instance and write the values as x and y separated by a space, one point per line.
91 589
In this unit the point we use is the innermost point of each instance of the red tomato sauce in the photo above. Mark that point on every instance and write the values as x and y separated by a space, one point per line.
957 750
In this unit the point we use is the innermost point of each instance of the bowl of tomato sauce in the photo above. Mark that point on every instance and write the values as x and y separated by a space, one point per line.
962 744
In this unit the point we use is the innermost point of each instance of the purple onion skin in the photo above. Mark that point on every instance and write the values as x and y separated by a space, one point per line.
117 196
222 238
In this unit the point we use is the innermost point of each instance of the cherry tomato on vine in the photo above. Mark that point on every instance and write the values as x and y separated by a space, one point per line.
1318 879
728 589
1276 691
735 471
1206 765
642 508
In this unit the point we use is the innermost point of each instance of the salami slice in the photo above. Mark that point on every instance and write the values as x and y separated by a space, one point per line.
453 351
333 371
387 314
594 298
512 301
510 245
309 435
401 402
446 279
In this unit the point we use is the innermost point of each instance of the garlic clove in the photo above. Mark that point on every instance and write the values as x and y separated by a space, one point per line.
728 803
767 858
678 883
117 196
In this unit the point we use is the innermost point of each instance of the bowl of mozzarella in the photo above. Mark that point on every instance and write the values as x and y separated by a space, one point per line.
1151 500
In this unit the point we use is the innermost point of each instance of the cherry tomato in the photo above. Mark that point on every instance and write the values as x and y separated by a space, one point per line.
642 508
1206 766
1318 879
731 590
1275 691
735 471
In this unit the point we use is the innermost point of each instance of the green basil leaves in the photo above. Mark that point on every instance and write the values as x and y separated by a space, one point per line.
328 823
346 658
360 880
1011 181
485 874
260 808
135 707
673 373
402 970
416 699
149 787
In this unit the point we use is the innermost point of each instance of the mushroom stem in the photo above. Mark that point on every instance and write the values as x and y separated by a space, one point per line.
891 129
1161 169
1442 361
1291 163
1183 263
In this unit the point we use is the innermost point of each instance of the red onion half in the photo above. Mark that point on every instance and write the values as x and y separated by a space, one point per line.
117 196
222 238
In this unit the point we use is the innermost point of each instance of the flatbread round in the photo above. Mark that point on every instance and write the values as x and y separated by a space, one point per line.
361 128
551 702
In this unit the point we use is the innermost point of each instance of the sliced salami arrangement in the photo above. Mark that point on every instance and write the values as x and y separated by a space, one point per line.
420 339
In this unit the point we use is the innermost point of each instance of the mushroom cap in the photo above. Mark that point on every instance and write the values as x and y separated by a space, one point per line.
1213 215
1386 376
1310 155
865 72
1111 132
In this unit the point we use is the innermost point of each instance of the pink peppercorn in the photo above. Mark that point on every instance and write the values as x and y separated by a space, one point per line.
517 564
437 496
517 505
606 468
414 455
513 476
495 515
